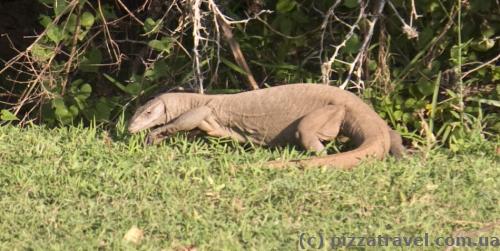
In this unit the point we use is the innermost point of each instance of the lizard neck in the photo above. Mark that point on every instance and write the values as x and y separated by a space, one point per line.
179 103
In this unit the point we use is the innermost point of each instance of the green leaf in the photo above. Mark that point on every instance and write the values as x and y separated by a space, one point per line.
285 24
165 44
87 19
284 6
45 20
496 76
73 88
90 60
151 26
496 128
58 103
454 147
41 53
108 11
480 6
101 110
407 117
351 3
84 92
425 37
82 34
82 2
115 82
277 66
132 89
487 30
300 17
59 6
6 115
73 110
48 114
372 65
455 114
425 86
455 49
410 103
63 114
71 23
432 6
55 34
86 89
233 66
156 44
398 115
352 45
160 69
484 45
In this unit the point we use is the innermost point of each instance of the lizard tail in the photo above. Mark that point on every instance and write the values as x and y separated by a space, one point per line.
346 160
371 144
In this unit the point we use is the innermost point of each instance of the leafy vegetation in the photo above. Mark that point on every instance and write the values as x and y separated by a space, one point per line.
428 66
71 187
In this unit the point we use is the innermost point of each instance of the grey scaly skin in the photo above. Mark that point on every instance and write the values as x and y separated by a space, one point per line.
300 114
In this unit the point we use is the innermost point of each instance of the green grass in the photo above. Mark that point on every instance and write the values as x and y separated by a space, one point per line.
73 189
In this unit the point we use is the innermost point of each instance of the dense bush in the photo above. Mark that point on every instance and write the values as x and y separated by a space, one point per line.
428 66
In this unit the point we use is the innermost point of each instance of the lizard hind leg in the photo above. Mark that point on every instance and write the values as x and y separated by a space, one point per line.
397 148
320 125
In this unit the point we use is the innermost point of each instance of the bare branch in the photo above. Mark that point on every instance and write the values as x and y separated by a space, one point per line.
326 67
408 29
495 59
235 46
364 48
196 19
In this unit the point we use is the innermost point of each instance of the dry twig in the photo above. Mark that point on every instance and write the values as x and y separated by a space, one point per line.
235 46
357 62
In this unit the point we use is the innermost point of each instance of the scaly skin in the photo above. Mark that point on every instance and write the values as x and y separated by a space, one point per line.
300 114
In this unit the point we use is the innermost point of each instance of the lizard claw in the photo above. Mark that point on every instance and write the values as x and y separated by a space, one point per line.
151 139
154 138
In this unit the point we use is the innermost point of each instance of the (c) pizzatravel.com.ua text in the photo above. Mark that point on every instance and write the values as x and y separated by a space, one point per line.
320 240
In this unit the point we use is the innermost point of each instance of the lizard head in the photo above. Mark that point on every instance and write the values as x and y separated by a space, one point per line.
151 114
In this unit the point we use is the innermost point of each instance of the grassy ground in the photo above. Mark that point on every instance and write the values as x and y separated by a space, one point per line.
76 189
